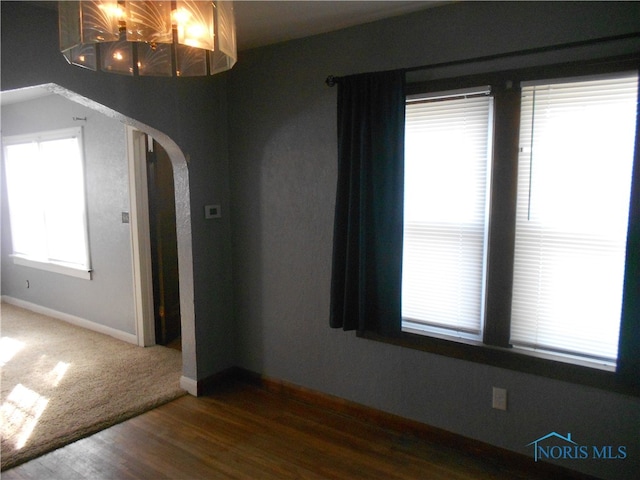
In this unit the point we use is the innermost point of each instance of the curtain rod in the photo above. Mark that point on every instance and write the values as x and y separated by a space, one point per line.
331 80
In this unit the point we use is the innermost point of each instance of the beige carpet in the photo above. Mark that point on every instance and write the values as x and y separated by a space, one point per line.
61 382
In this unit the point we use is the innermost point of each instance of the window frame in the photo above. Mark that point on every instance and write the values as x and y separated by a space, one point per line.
494 349
78 271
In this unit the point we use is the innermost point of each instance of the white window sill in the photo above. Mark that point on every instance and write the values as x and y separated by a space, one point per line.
418 328
567 358
60 268
475 340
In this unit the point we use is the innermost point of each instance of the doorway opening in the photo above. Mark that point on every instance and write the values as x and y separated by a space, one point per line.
164 245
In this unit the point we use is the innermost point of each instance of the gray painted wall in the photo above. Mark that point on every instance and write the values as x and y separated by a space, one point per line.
107 299
261 142
283 175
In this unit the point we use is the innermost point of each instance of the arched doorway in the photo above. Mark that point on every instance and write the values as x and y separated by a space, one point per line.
144 318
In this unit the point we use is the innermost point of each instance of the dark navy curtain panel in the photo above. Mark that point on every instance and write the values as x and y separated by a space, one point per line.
629 344
367 250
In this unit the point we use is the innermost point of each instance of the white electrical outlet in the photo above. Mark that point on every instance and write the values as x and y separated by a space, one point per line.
499 401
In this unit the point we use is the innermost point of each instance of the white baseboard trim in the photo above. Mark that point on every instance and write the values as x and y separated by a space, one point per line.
190 385
72 319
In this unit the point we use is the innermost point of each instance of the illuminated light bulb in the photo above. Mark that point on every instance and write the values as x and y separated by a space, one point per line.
117 56
196 31
116 12
181 16
81 58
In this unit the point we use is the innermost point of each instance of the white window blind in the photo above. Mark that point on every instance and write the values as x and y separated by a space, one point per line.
577 146
447 152
45 186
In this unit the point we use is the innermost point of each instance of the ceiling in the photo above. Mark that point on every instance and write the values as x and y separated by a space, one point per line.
261 23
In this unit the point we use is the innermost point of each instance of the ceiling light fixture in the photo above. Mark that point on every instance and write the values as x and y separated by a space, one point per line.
158 38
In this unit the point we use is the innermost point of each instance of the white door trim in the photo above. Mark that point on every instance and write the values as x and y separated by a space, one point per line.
140 237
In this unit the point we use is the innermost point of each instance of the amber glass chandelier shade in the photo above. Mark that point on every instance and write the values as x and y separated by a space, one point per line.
191 62
195 25
158 38
148 22
83 55
87 22
117 57
155 61
224 56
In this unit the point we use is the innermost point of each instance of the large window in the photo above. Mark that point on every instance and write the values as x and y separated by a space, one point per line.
46 194
567 243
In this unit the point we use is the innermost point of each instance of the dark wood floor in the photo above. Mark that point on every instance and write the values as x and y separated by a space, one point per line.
245 432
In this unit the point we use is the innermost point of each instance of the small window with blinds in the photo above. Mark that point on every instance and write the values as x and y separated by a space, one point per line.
447 167
577 142
47 202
